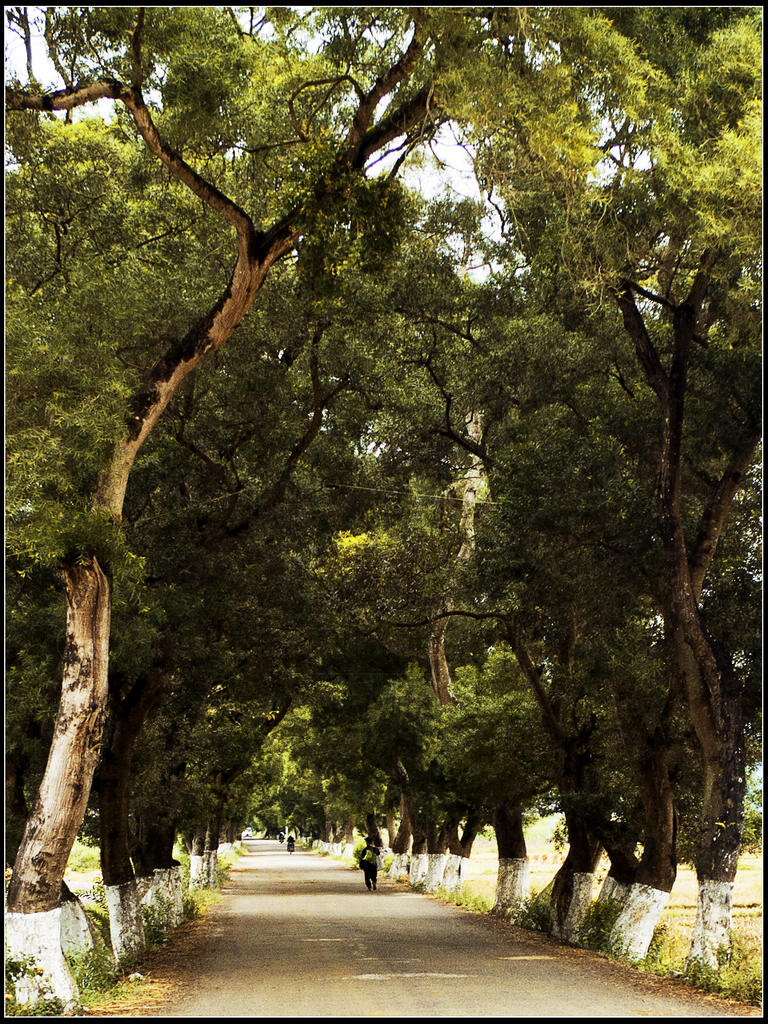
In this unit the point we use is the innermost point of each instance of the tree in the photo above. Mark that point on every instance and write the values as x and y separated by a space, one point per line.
345 136
662 231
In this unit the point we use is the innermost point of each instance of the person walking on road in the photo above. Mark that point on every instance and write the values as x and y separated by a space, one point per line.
369 862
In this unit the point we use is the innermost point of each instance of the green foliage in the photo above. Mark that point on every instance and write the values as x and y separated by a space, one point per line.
94 970
595 931
738 974
156 917
460 896
15 970
533 913
752 838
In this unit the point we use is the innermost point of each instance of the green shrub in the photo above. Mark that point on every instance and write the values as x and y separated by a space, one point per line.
533 913
195 902
157 920
462 897
738 975
94 970
595 931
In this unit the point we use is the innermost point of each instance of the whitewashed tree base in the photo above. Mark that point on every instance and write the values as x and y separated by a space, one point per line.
433 878
348 851
225 848
163 888
581 900
399 865
633 929
418 868
336 849
712 930
203 870
126 925
613 889
76 930
37 937
452 873
513 884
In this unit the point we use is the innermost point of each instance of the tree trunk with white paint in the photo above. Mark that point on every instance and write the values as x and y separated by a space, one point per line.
77 932
113 782
712 931
513 885
433 876
513 880
163 889
633 930
126 925
655 875
452 875
399 865
574 882
38 937
197 873
38 872
401 843
613 890
417 869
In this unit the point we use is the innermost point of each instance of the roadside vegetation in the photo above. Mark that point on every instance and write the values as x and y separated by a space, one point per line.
100 978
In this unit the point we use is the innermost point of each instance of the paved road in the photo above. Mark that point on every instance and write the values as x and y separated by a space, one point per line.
299 936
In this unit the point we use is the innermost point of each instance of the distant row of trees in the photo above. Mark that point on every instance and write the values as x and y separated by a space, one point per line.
380 507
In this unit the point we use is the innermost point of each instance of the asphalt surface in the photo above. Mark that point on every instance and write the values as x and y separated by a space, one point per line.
299 935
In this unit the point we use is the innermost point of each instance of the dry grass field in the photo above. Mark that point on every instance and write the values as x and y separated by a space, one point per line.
545 861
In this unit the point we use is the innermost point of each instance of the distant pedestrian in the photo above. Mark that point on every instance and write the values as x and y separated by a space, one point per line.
369 862
291 844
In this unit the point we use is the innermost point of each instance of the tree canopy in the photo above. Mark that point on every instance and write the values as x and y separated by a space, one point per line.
363 501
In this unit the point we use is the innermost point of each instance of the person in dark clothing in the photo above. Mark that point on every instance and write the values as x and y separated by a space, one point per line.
369 862
291 844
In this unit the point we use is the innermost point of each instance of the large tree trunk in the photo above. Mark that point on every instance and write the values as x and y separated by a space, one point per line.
437 844
721 823
418 867
572 887
33 919
113 783
401 844
714 702
657 870
372 827
622 872
513 881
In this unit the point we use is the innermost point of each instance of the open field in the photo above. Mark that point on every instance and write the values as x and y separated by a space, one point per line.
679 917
545 861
